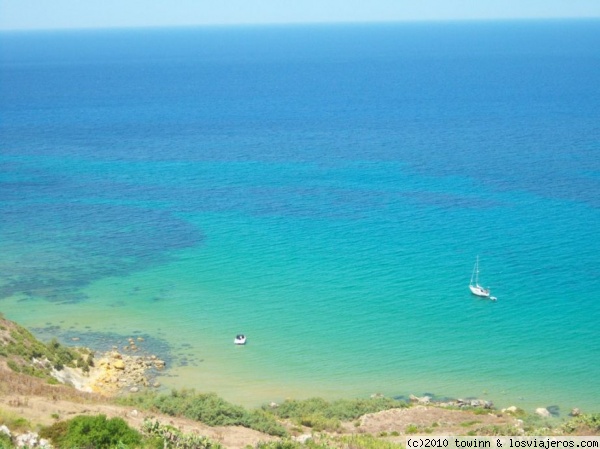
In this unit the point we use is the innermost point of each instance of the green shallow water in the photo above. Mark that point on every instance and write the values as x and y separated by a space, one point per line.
331 324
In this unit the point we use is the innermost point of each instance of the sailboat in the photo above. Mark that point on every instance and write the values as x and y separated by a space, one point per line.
474 286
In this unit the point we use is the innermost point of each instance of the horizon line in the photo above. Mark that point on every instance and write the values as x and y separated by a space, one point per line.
307 23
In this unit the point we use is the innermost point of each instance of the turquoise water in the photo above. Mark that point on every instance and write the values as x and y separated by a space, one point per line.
324 190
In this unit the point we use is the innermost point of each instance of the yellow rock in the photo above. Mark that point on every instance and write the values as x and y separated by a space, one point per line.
119 364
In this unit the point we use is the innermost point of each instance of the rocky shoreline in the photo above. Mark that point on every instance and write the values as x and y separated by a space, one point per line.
119 372
115 372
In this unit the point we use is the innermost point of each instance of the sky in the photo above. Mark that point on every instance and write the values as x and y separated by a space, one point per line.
57 14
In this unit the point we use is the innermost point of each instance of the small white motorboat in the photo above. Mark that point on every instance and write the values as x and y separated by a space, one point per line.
240 339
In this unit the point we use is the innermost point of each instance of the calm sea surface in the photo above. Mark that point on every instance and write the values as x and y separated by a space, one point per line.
324 190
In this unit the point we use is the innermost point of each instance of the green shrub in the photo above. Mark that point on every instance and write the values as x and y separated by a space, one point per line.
263 422
92 432
56 432
319 423
61 355
411 429
207 408
5 441
587 423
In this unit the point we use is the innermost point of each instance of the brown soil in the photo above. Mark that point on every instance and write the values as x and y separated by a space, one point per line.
432 420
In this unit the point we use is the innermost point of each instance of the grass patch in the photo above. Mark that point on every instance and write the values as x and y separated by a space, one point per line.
13 421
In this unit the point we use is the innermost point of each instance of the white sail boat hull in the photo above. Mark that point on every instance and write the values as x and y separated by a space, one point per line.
479 291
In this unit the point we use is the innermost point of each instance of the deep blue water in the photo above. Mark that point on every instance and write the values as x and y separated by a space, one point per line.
324 189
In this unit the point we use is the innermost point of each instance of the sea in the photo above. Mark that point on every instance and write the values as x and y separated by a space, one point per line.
324 190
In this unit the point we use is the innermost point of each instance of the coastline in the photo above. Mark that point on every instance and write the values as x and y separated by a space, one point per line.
116 373
218 373
114 385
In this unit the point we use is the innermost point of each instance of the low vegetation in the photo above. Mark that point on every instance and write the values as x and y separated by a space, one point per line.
25 354
318 414
23 386
13 421
166 436
588 424
207 408
322 415
334 442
